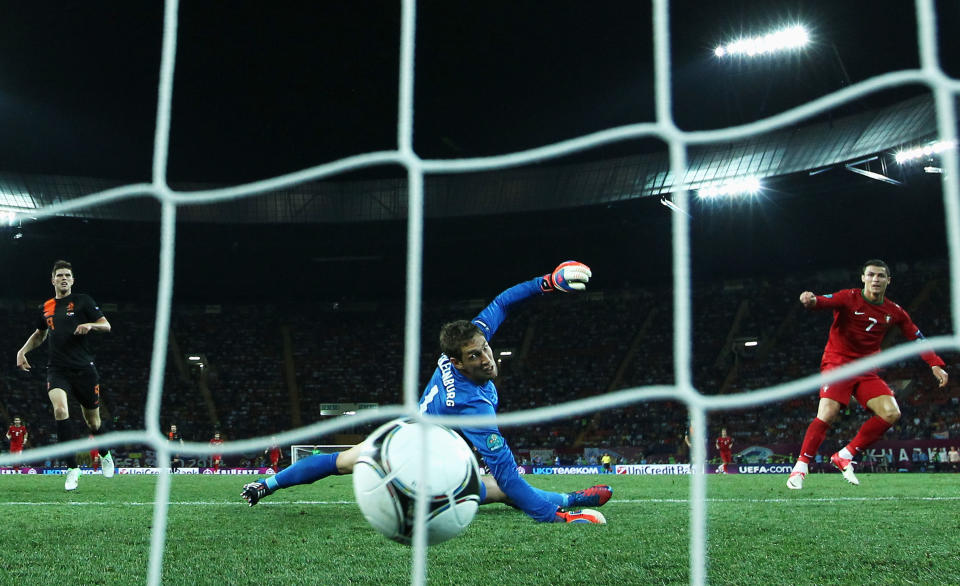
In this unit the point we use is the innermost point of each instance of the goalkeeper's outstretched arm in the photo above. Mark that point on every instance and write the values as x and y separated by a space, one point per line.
569 277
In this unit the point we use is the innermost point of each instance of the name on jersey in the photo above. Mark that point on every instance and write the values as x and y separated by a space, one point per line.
446 377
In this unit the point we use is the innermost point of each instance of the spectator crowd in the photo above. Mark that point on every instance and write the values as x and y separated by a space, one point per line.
268 368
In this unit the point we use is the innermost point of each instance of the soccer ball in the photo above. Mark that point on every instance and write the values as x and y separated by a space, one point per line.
385 480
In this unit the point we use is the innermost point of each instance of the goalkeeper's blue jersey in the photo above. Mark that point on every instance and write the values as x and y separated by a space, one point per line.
451 393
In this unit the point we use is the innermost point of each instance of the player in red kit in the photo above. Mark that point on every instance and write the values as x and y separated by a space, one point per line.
217 458
724 443
861 318
94 457
273 452
17 436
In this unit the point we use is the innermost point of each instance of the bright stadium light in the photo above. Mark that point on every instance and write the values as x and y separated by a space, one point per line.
924 151
794 37
741 186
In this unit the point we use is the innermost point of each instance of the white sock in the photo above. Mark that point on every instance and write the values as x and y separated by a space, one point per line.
801 467
845 453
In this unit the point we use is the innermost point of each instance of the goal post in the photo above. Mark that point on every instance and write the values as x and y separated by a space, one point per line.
298 451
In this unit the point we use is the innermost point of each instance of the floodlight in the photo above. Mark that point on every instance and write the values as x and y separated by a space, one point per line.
924 151
794 37
741 186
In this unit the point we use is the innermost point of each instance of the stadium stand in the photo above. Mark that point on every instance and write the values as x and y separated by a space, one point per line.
266 369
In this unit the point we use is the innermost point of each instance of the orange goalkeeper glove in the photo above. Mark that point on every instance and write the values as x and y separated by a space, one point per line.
569 276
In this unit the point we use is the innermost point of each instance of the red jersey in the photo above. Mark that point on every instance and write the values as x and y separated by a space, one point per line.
859 327
17 434
216 442
724 443
274 453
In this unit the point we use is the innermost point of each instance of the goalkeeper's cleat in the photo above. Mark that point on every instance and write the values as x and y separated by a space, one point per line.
73 479
582 516
106 462
795 482
595 496
846 467
255 491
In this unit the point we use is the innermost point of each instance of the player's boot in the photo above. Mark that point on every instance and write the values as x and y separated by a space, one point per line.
583 516
595 496
255 491
846 467
795 482
73 479
106 462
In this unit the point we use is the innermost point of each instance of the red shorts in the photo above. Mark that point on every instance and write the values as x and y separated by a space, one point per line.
726 457
862 387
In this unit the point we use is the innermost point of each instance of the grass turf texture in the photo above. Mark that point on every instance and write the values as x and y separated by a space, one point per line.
895 529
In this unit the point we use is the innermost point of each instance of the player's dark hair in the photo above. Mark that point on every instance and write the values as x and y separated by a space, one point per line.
875 262
454 335
61 264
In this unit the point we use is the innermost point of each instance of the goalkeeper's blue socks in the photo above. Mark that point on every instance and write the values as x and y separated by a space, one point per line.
305 471
554 498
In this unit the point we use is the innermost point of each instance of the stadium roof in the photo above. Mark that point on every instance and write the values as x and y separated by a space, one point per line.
262 91
813 146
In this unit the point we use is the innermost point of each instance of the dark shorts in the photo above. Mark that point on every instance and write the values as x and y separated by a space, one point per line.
82 383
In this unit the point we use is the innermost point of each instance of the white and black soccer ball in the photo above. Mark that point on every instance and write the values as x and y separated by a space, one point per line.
385 480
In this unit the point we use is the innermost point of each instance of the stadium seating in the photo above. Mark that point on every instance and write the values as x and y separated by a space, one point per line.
268 369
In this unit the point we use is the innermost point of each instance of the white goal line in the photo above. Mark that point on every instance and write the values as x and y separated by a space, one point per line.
683 501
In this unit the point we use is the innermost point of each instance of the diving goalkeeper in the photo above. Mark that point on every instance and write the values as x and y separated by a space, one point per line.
462 384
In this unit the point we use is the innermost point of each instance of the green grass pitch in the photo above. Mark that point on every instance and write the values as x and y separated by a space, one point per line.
892 529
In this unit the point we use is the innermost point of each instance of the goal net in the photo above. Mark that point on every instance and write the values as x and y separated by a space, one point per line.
682 389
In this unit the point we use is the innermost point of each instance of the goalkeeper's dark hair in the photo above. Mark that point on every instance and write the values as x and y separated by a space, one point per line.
61 264
454 335
875 262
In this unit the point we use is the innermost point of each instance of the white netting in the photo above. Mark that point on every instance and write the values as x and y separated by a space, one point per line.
299 451
930 74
